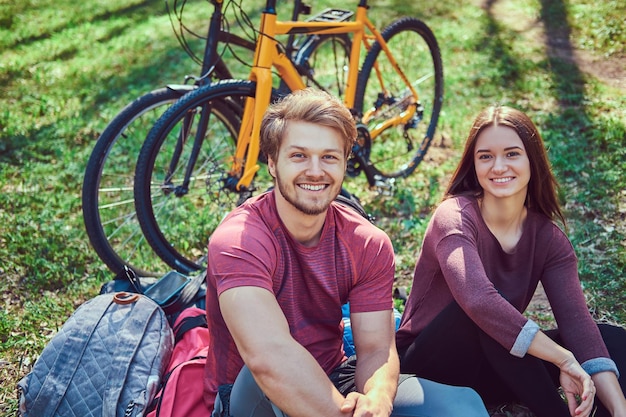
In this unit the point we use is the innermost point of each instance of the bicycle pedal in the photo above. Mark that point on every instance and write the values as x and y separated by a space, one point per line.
331 15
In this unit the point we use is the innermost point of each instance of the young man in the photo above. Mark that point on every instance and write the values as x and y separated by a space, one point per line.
280 268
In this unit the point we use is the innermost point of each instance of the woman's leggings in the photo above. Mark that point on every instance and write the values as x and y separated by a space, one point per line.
415 398
453 350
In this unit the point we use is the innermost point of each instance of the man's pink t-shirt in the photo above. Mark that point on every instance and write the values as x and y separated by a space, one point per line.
353 262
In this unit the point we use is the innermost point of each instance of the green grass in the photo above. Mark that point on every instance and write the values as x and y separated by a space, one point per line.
65 71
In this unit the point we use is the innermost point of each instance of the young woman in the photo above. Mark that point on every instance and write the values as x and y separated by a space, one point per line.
488 245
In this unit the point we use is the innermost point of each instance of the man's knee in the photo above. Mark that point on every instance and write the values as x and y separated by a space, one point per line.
425 398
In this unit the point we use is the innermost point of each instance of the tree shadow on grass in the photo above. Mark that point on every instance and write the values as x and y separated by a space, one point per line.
569 125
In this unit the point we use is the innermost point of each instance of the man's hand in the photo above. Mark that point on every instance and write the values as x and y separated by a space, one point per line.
359 405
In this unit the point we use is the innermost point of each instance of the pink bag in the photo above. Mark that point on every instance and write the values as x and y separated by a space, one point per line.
181 394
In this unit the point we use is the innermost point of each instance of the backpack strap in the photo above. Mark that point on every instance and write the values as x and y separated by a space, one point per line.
131 276
187 324
186 295
352 201
130 338
68 358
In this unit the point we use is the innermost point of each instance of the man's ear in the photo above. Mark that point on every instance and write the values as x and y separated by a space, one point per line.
271 166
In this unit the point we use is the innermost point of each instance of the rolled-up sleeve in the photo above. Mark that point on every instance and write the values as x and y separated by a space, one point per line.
524 339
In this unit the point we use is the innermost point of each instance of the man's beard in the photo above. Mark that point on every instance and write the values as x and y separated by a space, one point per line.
312 209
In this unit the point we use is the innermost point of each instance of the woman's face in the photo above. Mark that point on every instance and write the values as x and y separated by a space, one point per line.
501 163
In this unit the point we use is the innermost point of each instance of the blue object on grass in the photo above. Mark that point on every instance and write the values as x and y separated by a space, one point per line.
348 341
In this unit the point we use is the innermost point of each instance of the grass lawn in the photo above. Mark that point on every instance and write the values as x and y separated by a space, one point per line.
66 71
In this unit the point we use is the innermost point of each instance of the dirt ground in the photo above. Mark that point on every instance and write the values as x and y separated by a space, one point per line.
556 42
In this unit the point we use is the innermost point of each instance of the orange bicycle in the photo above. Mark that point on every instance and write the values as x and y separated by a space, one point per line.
191 172
107 195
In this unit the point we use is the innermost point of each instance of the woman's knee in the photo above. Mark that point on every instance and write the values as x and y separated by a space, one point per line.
613 335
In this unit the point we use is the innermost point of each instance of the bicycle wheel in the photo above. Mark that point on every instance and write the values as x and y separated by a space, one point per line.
395 151
324 61
177 219
107 194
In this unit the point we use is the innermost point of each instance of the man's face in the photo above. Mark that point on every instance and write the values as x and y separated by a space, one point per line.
310 167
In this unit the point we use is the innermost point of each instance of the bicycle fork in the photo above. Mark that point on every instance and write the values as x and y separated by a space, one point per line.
183 189
267 54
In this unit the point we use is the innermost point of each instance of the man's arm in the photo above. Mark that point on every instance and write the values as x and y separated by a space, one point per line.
377 366
285 371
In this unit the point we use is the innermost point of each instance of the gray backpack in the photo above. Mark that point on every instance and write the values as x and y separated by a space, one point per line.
107 360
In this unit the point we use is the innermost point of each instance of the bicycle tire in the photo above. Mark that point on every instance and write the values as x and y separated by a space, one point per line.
324 61
414 46
178 225
107 192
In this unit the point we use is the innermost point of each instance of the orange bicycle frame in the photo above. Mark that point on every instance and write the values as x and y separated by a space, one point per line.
269 54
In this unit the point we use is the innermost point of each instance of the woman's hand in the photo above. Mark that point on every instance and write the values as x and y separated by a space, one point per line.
578 387
576 383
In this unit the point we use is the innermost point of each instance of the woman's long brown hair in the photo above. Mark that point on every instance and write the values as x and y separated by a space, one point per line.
542 187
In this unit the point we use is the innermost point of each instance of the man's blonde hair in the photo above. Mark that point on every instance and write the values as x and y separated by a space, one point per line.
308 105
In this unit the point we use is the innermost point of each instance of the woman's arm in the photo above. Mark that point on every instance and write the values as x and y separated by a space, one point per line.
576 383
576 325
610 393
469 285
